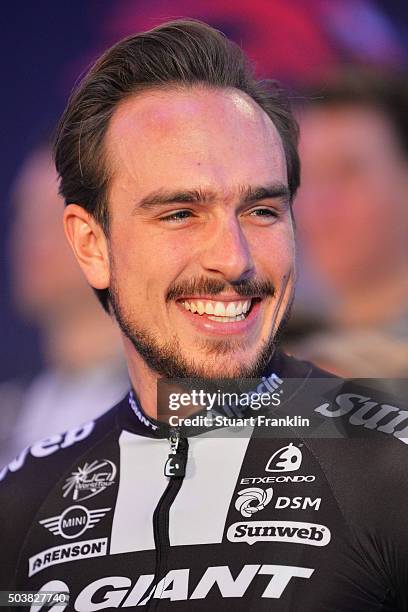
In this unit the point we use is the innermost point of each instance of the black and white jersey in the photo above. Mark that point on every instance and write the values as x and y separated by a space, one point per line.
302 524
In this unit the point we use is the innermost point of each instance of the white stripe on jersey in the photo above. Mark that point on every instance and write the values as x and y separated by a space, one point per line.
199 511
141 485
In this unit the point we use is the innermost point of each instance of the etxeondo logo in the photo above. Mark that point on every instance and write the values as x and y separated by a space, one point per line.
279 531
286 459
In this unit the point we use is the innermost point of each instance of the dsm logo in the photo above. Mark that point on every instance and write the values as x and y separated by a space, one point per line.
252 500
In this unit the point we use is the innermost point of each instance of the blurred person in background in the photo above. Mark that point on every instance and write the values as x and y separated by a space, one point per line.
81 345
352 216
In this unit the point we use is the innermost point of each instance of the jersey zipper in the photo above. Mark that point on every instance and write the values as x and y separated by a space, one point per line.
174 469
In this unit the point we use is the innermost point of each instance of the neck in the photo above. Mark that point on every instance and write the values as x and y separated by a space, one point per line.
143 379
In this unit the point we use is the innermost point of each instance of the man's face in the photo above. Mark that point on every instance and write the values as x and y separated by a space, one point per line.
201 240
352 206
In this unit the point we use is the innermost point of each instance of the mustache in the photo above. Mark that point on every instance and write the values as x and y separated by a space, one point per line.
210 286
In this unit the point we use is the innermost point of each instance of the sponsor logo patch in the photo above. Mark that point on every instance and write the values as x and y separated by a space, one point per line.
283 478
286 459
279 531
67 552
363 411
122 592
90 480
252 500
74 521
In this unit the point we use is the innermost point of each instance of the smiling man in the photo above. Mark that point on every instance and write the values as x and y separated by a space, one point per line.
179 170
200 250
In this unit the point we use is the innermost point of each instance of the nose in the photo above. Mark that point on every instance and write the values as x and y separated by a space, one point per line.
226 251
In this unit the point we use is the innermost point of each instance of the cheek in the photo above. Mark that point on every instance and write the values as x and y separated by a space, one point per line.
145 263
274 254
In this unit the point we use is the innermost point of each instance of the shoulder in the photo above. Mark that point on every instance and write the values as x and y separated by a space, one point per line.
38 474
54 452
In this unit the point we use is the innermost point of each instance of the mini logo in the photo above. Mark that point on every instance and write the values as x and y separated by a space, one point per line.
89 480
286 459
74 521
252 500
279 531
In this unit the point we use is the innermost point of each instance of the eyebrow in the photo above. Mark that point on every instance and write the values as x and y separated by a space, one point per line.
248 195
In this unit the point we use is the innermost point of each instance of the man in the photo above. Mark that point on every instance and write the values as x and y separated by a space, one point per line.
178 170
352 208
84 372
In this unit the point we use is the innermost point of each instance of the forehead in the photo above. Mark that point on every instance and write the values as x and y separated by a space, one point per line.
181 136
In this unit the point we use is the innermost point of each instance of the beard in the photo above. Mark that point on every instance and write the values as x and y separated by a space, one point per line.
166 358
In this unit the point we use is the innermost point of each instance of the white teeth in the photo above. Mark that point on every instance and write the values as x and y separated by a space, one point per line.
227 319
219 309
209 308
230 310
238 308
227 311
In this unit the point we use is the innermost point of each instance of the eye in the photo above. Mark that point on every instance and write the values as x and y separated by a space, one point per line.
177 216
264 213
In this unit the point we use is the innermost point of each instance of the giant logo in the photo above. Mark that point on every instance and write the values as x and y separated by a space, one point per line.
74 521
121 592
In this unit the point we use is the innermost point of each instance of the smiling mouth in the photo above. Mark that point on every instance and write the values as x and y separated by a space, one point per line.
222 312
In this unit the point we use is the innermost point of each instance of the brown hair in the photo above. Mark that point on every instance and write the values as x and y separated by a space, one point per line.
177 53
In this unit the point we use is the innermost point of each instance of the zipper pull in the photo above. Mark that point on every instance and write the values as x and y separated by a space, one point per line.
176 463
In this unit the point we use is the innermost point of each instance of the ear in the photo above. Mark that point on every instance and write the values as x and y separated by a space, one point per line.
89 243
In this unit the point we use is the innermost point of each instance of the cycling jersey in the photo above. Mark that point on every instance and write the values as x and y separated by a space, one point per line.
252 522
